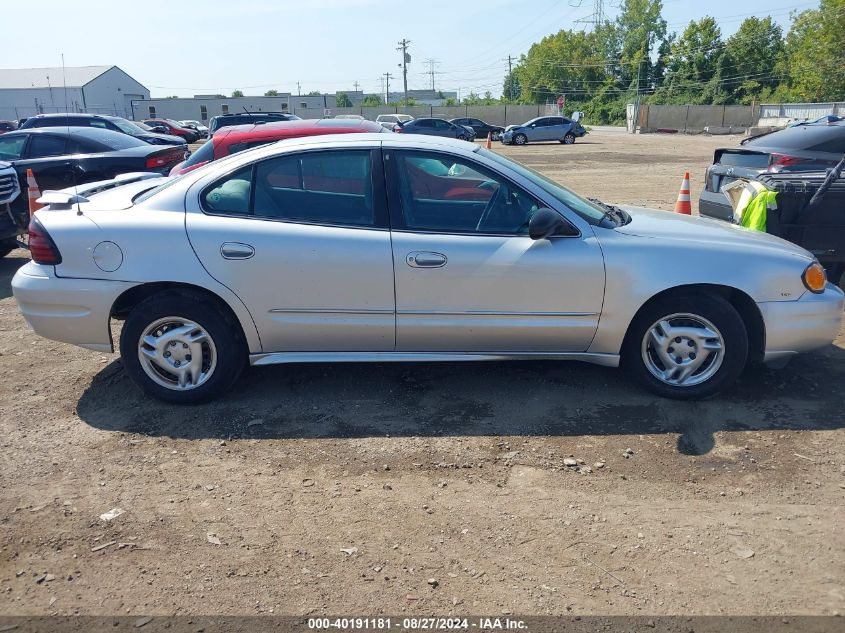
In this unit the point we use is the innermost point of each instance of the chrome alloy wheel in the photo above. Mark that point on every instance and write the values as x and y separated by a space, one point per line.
177 354
683 350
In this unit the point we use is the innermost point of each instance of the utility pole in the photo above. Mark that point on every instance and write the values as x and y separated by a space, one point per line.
298 89
432 63
406 59
510 77
387 78
356 84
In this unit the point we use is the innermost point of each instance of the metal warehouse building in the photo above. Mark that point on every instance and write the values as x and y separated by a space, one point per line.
101 89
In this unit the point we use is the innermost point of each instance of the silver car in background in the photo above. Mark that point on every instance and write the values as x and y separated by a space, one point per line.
378 247
544 128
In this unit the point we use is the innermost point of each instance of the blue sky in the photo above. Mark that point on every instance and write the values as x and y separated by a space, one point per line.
186 47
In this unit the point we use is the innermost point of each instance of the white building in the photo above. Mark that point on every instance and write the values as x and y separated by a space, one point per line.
203 107
102 89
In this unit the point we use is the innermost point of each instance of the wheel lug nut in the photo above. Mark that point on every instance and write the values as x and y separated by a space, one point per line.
671 350
677 339
167 354
678 359
690 344
185 345
188 358
177 363
692 356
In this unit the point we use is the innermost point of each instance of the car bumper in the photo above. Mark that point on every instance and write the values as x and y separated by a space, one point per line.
811 322
74 311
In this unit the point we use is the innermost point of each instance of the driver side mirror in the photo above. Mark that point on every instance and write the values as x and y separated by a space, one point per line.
545 223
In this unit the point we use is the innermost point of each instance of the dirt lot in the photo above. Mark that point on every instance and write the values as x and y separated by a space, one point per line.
345 489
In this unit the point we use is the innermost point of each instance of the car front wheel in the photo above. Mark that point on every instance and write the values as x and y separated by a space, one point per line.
686 346
181 349
520 139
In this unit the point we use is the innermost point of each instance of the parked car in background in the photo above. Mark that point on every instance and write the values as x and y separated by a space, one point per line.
104 122
236 138
62 157
435 127
201 129
357 117
174 128
381 247
8 126
390 120
544 128
806 147
10 227
246 118
481 128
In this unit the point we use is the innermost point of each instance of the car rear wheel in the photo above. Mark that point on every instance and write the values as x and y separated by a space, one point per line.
686 346
569 139
520 139
7 246
181 349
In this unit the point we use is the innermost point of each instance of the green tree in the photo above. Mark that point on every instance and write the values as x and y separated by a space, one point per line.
815 48
343 101
639 30
271 93
451 101
371 101
511 89
314 93
693 64
237 93
752 56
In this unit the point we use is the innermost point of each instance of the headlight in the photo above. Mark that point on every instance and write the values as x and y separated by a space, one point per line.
814 278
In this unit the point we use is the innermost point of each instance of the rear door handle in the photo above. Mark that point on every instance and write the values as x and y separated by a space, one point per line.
236 250
425 259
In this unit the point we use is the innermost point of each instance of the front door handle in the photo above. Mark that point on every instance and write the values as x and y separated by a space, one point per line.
236 250
425 259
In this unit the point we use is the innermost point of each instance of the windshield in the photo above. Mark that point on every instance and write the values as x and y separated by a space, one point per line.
127 126
592 213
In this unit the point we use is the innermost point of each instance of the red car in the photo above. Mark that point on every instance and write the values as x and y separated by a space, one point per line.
174 129
230 140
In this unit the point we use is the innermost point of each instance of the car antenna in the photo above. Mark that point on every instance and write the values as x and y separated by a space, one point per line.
248 113
67 140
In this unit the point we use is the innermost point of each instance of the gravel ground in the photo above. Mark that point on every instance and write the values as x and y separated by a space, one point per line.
429 489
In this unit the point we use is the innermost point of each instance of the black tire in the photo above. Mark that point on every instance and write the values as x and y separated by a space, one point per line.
568 139
231 352
7 246
711 307
520 139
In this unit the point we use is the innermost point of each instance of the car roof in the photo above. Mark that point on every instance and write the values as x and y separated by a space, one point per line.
284 129
70 130
55 115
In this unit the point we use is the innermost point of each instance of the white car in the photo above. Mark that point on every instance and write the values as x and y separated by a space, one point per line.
389 121
374 247
196 125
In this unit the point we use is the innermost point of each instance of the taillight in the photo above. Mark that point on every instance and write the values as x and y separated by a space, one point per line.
160 160
397 128
784 160
42 248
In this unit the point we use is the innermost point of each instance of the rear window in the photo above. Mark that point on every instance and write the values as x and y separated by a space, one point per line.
803 137
744 159
204 154
106 139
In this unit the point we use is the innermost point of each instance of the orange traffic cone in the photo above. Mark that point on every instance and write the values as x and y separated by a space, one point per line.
32 192
683 203
489 143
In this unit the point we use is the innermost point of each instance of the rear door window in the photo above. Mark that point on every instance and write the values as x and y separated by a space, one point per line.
333 187
46 145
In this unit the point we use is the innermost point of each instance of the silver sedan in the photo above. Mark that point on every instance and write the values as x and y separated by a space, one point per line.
367 248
